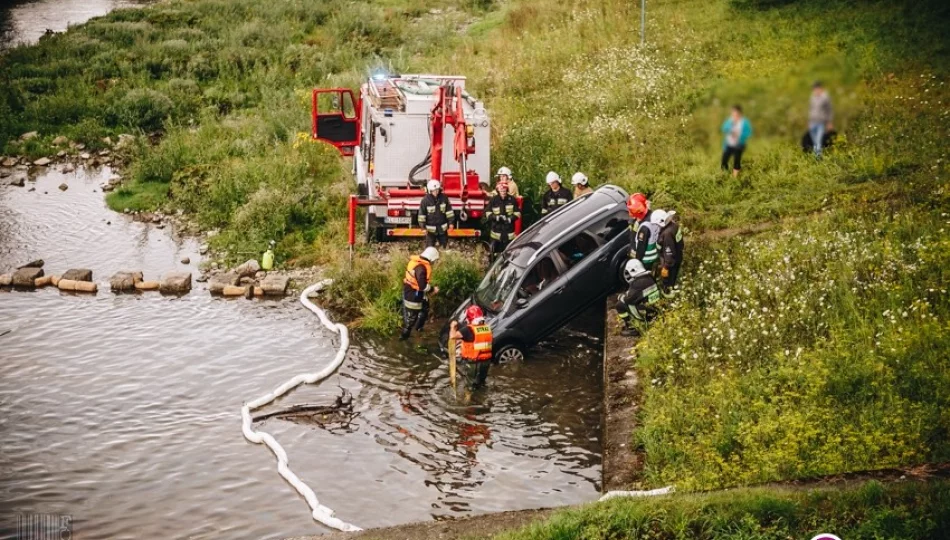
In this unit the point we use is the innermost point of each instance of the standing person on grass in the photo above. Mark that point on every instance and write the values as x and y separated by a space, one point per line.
819 116
737 131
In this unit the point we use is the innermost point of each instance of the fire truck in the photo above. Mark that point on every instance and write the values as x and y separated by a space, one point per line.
402 131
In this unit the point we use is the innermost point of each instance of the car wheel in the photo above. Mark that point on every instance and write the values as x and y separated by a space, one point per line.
509 353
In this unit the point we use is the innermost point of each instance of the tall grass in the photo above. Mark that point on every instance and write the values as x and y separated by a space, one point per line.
814 350
369 291
913 510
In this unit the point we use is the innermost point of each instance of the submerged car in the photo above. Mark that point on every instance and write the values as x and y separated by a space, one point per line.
553 272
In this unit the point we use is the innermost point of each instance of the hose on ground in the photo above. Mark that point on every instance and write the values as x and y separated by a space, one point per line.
320 513
649 493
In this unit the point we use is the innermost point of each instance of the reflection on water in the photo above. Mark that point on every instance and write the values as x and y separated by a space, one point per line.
124 410
25 21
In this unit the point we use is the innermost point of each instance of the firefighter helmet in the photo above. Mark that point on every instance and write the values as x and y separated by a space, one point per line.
433 185
638 205
552 177
504 171
474 315
659 217
430 254
632 269
579 178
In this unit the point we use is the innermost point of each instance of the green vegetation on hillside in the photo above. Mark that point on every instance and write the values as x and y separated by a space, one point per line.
904 511
571 89
813 350
224 85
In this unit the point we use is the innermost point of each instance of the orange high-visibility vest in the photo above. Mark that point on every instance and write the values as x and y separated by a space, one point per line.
478 350
410 278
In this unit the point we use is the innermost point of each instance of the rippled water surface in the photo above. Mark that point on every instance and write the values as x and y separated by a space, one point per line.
124 410
25 21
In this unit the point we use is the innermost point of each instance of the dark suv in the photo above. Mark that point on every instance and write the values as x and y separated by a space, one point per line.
553 271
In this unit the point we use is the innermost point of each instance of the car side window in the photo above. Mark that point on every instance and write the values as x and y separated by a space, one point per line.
608 230
540 277
574 250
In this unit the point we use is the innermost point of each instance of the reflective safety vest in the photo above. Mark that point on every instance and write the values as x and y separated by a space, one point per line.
653 233
410 278
478 350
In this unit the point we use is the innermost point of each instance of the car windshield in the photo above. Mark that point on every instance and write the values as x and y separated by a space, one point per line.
501 280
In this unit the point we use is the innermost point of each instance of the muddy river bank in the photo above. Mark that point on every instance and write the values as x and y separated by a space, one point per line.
123 411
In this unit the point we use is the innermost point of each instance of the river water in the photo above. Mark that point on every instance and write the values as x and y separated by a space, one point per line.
25 21
123 411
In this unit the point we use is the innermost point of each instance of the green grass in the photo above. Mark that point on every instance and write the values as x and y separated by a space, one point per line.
813 350
369 291
904 511
146 196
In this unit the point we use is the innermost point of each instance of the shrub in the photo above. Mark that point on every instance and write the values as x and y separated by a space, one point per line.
142 108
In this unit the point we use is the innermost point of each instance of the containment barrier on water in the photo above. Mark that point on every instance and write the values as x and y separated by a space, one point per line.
649 493
81 286
320 513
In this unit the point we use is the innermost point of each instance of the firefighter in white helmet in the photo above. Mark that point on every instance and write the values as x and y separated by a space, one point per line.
502 214
416 286
504 175
581 185
436 214
555 197
635 306
670 244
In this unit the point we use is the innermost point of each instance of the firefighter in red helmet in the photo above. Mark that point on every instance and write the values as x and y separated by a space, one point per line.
475 340
643 233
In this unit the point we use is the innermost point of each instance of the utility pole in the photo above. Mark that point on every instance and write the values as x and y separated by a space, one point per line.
643 22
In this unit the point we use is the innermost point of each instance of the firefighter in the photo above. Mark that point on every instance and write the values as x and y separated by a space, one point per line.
581 185
643 232
555 197
502 213
416 287
635 306
504 175
436 214
475 340
670 244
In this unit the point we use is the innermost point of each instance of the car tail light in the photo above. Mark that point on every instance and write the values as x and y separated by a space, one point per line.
395 212
475 214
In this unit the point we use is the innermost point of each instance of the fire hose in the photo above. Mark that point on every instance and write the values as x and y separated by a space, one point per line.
320 513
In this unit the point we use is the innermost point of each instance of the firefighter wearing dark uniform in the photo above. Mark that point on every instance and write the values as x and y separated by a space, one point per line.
643 232
436 214
670 244
475 346
502 213
635 306
415 285
555 197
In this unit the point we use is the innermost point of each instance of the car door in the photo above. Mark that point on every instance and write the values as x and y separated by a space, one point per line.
583 281
533 311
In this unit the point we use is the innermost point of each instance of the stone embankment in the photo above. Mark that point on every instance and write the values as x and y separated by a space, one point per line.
247 280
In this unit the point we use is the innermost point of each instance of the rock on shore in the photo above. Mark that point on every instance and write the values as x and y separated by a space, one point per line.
176 283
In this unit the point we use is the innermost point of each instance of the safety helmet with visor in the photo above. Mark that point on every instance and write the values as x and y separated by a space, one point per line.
633 269
430 254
